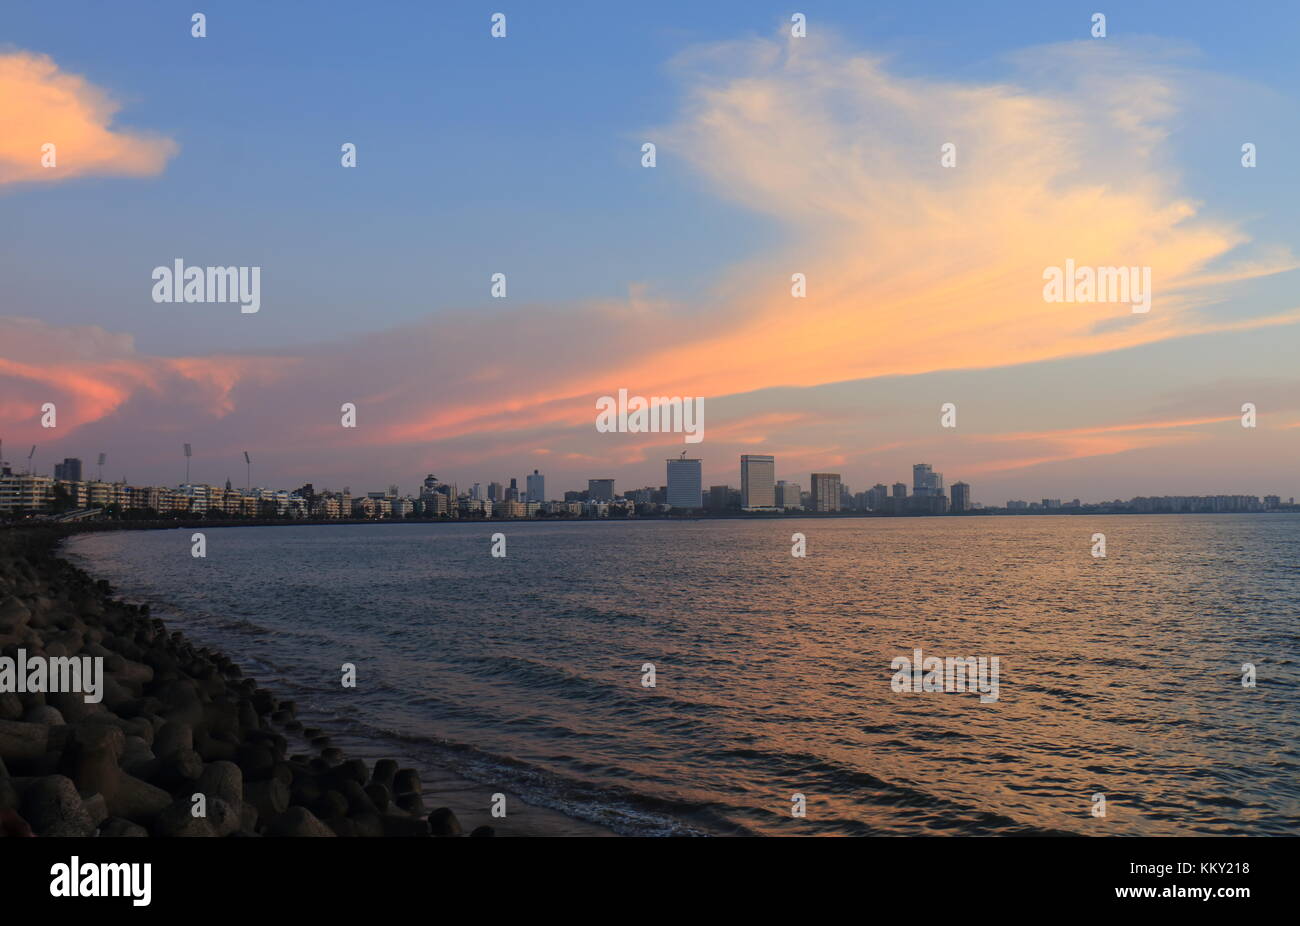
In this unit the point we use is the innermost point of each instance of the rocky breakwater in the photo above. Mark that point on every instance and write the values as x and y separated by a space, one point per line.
176 741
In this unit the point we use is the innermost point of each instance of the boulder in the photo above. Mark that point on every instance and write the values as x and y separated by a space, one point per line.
54 808
443 822
118 827
270 797
20 740
298 821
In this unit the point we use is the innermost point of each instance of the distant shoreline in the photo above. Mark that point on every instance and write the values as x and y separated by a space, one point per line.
68 528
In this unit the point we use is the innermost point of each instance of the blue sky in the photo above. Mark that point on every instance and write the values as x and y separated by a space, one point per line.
475 154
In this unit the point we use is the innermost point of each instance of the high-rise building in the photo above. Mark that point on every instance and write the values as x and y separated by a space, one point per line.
900 490
717 497
826 491
960 498
788 494
600 490
68 471
926 481
495 492
536 487
684 481
757 481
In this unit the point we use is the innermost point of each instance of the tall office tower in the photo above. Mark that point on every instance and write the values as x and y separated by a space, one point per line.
536 487
716 499
879 495
69 470
757 481
846 498
900 490
476 493
826 491
925 481
600 490
684 481
512 493
788 494
960 497
495 492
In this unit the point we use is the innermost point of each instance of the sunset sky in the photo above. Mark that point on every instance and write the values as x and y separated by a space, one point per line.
776 155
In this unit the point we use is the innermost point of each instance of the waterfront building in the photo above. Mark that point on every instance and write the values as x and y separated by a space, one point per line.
75 492
826 491
757 481
25 493
788 495
684 480
509 509
536 487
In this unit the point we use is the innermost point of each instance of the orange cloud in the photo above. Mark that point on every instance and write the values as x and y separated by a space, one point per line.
90 374
914 267
40 105
911 267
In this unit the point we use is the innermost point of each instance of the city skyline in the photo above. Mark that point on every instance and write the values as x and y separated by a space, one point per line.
827 493
676 279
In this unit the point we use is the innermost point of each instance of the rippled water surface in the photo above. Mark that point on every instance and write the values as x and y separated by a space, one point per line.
1119 676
